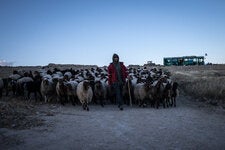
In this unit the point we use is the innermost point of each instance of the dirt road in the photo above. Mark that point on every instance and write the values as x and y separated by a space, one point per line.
191 125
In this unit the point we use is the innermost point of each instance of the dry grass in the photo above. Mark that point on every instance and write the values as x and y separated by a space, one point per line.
202 82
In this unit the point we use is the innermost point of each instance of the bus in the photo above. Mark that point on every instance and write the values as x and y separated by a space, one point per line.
183 61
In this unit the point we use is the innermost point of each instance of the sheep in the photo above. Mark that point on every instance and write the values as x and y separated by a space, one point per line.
21 84
59 73
68 75
159 93
47 89
174 93
15 76
100 91
55 76
141 93
167 94
156 94
5 86
13 82
79 77
84 93
34 86
71 91
61 91
1 87
24 80
128 92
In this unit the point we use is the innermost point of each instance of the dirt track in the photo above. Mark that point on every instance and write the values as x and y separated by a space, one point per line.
191 125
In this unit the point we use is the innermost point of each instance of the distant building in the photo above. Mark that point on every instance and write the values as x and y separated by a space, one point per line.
149 63
183 61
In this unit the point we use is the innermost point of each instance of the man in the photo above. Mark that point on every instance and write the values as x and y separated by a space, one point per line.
117 74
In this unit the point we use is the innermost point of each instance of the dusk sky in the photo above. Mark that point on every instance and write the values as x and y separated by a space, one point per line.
88 32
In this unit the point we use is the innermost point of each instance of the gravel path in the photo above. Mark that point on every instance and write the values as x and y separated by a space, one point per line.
191 125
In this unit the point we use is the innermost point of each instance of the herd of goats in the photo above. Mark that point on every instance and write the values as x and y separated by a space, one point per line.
144 87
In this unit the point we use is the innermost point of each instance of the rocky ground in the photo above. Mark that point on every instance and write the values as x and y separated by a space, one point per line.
191 125
18 114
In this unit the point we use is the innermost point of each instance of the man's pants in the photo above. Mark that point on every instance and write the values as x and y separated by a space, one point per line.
118 88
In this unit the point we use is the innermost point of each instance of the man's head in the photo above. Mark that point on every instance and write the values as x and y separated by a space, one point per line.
115 58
